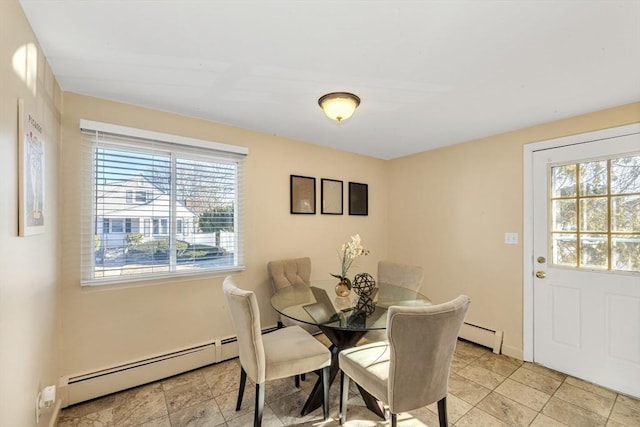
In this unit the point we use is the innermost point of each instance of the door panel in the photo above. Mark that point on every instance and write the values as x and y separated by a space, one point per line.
586 313
623 323
566 315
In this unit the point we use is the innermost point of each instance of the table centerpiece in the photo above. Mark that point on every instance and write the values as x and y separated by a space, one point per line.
348 253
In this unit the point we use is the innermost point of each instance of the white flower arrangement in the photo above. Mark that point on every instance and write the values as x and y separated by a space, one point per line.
347 253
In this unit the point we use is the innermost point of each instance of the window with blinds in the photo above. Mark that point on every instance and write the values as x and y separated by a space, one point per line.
157 204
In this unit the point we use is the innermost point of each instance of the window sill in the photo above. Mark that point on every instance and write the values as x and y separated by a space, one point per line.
157 278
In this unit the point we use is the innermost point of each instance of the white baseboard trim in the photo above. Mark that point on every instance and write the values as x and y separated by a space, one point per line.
49 416
514 352
53 422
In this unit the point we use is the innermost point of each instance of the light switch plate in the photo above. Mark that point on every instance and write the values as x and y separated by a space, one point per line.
511 238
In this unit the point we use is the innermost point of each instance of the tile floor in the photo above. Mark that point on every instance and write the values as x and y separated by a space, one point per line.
484 390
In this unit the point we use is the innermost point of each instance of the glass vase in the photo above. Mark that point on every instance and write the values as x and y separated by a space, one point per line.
342 289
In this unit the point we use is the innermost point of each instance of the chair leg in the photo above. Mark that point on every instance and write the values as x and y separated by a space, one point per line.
344 395
325 391
257 416
442 412
394 420
297 379
243 381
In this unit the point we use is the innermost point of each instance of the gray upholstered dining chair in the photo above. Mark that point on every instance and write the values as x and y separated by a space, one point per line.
397 274
279 354
394 273
289 272
411 369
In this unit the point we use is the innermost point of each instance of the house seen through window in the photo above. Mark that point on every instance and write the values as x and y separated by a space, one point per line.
159 208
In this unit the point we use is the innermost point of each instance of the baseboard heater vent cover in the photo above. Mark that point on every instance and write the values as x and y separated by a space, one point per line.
89 385
483 336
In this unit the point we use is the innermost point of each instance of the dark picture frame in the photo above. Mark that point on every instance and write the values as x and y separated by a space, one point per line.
331 196
358 198
302 194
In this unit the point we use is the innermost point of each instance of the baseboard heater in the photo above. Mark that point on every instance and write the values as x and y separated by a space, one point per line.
483 336
79 388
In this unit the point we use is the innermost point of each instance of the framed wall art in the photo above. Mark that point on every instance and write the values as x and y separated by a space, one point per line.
358 199
331 196
303 194
31 185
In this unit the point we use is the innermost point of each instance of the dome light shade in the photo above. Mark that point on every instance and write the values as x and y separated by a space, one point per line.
339 105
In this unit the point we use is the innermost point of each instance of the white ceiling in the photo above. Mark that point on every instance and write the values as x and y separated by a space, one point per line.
429 73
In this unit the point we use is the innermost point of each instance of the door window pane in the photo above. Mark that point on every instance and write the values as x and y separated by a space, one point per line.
625 253
563 179
565 250
594 251
626 213
625 175
564 215
593 178
594 214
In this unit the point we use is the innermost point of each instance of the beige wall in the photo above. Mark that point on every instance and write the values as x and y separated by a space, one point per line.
453 207
104 326
28 265
446 210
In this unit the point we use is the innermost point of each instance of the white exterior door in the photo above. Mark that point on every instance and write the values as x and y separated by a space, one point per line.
586 260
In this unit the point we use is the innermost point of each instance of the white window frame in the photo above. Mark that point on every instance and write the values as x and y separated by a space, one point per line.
215 149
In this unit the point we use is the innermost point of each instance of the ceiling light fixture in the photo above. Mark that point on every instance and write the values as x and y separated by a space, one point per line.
339 105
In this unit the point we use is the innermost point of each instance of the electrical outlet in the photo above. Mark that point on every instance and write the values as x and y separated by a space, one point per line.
45 399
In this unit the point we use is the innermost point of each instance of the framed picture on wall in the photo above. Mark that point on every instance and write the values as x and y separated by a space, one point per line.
303 194
358 199
31 146
331 196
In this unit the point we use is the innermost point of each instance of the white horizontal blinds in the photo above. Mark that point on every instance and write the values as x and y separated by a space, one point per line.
132 210
160 208
207 190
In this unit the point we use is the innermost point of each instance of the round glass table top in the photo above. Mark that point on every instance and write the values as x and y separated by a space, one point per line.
319 305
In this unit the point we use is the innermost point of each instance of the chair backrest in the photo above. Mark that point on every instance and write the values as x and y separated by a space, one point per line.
245 316
422 341
288 272
407 276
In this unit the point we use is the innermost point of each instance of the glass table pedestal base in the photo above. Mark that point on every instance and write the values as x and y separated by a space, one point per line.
340 339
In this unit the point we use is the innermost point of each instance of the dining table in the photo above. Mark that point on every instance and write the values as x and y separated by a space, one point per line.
344 320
